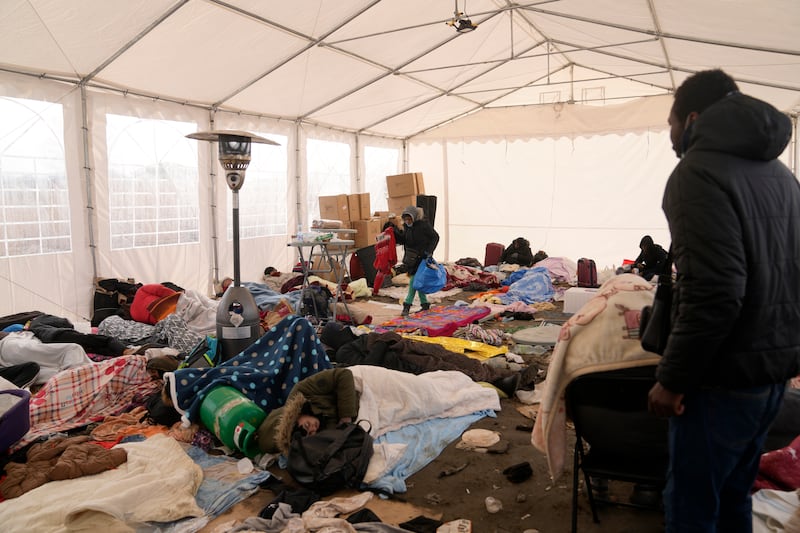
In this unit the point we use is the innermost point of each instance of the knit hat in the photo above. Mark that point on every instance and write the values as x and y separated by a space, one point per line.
412 212
336 335
275 432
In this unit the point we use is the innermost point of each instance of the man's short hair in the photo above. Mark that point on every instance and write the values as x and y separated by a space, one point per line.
700 90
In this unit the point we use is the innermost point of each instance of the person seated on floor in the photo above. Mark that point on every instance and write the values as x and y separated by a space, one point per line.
419 240
392 351
518 253
651 259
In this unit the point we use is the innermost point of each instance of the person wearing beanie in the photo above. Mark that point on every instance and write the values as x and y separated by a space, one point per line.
419 240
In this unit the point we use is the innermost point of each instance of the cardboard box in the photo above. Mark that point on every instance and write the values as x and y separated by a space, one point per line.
334 207
358 205
322 268
405 184
367 231
365 210
397 204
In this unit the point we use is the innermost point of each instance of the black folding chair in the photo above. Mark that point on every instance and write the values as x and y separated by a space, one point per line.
616 438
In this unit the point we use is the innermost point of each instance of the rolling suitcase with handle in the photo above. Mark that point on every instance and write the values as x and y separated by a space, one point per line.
587 273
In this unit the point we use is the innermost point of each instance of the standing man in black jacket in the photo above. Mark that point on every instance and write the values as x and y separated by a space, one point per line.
734 216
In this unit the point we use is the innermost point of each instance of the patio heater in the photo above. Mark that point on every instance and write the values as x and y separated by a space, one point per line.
237 314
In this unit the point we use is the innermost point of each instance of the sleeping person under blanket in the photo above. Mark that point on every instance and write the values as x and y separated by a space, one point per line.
390 350
387 399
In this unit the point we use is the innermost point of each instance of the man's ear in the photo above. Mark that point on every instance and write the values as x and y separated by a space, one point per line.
691 117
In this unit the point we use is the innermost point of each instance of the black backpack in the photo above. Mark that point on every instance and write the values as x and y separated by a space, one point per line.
331 459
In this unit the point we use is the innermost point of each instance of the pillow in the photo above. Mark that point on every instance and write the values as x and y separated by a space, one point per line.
145 296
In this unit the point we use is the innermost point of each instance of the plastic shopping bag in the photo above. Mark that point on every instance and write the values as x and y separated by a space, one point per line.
430 276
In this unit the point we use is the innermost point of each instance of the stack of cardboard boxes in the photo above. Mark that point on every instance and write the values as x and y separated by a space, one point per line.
403 190
354 209
354 212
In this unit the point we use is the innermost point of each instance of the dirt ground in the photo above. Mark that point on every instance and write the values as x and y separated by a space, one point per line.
535 504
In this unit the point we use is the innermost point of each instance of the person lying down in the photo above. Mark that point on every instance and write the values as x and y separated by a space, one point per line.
387 399
391 350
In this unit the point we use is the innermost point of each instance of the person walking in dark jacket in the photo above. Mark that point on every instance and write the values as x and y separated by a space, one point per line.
419 240
733 212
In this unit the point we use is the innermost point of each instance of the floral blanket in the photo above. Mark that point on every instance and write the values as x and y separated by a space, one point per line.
439 321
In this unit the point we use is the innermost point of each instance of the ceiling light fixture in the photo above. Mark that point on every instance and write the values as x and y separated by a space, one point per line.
460 20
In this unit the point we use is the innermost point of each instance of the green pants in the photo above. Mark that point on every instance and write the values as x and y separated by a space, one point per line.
411 291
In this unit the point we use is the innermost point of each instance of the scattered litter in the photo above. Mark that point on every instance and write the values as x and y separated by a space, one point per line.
521 498
433 498
499 447
462 525
529 397
493 505
244 466
454 470
478 438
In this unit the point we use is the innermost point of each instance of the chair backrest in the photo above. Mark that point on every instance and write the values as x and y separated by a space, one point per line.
609 410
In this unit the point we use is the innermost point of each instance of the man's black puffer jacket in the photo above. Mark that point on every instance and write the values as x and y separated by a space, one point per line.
734 215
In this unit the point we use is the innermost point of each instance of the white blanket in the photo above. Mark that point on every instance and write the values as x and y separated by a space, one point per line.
391 399
157 483
23 347
199 312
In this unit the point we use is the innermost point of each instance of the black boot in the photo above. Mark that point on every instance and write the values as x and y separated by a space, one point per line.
508 384
406 310
425 306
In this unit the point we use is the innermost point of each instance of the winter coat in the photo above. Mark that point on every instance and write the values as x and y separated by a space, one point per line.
329 395
653 258
734 214
518 253
419 240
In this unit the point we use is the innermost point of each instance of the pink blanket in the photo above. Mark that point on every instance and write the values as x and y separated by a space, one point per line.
602 335
440 321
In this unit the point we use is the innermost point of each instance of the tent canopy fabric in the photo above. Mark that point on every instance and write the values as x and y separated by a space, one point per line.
396 68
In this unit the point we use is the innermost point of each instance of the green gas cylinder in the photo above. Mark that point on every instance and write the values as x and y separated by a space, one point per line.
233 417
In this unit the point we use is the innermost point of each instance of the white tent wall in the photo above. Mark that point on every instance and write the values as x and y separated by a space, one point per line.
187 265
57 283
575 181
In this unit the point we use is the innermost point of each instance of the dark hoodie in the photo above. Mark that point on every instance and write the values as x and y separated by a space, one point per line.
734 216
419 239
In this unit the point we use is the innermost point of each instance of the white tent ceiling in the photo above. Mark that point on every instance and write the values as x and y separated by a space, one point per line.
394 67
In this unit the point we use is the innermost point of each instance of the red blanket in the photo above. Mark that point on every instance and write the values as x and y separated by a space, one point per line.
780 469
438 321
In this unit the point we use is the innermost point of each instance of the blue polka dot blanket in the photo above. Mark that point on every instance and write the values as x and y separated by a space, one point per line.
265 372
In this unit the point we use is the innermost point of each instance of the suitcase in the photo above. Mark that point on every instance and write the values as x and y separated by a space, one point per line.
493 252
587 273
428 205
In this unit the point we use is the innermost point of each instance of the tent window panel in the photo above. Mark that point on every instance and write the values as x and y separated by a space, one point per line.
153 183
263 199
328 164
33 178
379 163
